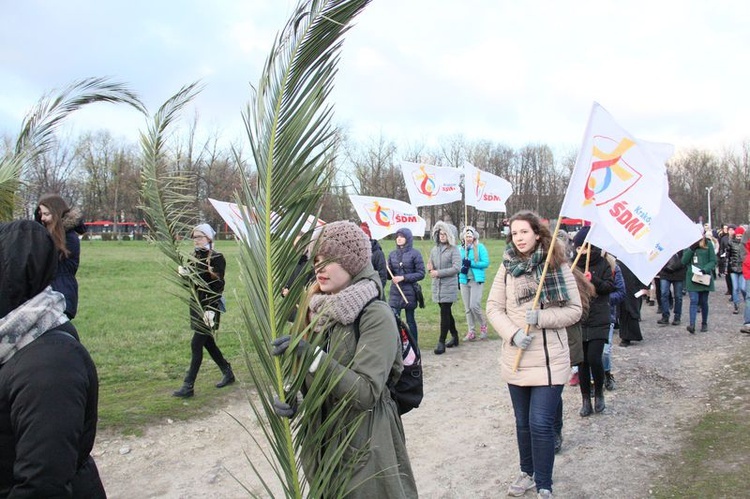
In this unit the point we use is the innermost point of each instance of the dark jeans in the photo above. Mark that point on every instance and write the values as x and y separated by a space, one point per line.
592 366
447 322
410 321
198 343
535 408
677 296
698 299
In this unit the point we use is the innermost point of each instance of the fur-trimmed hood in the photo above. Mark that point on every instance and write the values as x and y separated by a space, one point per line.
470 230
449 229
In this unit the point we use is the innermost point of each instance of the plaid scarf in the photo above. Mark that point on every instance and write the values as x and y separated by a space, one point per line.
29 321
342 307
528 271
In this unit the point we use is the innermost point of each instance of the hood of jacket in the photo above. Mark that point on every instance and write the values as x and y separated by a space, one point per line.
472 231
408 236
28 260
449 229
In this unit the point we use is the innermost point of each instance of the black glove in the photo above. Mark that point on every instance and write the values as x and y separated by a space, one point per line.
285 409
281 343
465 265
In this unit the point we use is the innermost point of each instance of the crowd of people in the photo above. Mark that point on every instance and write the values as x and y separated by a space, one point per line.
555 303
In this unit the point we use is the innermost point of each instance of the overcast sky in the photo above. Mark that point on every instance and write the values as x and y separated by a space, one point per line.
513 71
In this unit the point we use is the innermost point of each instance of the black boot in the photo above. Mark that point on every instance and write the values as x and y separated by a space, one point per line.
599 401
440 348
185 392
586 408
453 342
228 378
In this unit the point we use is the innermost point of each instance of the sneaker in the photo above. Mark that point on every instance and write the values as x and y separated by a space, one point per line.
558 442
664 321
704 328
483 332
470 336
745 328
574 379
544 494
522 483
609 382
676 322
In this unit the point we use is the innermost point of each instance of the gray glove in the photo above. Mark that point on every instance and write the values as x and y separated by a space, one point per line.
285 409
522 340
183 271
208 318
281 344
532 316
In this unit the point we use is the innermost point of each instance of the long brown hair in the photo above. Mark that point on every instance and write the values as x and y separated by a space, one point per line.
545 237
58 208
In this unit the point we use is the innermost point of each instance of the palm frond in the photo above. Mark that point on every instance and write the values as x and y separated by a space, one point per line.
289 127
38 128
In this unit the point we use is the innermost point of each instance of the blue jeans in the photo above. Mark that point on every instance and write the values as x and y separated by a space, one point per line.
698 299
535 408
676 295
410 321
607 352
738 287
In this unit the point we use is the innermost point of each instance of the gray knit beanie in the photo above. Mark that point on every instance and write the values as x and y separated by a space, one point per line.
345 243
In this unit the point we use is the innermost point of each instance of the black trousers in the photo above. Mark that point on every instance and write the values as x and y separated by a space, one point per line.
447 322
198 343
592 367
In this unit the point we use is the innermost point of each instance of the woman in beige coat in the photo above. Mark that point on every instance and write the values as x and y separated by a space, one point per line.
536 386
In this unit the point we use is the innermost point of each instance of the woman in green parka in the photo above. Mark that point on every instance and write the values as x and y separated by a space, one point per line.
344 289
699 258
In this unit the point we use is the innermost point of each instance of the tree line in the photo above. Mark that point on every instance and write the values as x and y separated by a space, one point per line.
101 175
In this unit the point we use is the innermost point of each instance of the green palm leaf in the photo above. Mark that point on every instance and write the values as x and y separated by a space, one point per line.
289 127
38 128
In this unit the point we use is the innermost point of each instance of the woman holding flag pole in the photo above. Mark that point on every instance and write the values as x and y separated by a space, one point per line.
534 271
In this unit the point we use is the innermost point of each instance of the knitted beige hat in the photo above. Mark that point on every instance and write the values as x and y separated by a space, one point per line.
345 243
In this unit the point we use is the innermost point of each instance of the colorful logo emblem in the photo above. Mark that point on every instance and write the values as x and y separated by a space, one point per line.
479 186
610 175
380 215
425 182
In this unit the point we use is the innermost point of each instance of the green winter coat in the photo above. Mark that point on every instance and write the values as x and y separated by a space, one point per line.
363 368
704 259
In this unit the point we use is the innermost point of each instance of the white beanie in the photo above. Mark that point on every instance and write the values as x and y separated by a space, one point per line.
206 230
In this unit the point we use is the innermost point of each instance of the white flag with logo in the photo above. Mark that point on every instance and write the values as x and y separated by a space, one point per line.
429 185
485 191
672 230
618 182
386 216
232 215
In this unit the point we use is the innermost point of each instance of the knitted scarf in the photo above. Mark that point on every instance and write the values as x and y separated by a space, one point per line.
342 307
29 321
528 271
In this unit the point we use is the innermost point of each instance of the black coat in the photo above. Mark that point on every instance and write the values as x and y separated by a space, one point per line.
48 415
596 325
209 289
65 278
674 269
407 262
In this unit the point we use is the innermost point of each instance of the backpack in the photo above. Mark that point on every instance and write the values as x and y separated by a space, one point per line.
408 391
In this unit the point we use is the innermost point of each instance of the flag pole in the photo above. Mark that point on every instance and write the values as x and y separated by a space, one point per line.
396 284
539 287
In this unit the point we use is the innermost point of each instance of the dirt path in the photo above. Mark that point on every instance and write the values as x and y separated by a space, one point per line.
462 439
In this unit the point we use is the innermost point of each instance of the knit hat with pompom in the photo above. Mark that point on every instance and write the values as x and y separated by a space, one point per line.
345 243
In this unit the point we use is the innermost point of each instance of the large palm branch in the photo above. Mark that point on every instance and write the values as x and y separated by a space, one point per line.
39 126
289 126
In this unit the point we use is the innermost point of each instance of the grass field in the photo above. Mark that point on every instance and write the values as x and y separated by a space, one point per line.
138 332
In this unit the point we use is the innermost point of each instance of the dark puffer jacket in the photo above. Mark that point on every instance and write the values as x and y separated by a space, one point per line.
48 389
596 325
405 261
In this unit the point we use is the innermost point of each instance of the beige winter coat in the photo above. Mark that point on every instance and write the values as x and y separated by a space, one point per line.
547 360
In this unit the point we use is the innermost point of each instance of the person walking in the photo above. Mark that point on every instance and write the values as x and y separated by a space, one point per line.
630 309
49 388
64 225
406 267
536 386
672 281
746 274
595 328
700 262
205 273
444 265
474 261
368 427
735 257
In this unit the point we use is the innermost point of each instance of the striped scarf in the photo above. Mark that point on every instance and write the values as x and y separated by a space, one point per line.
527 273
